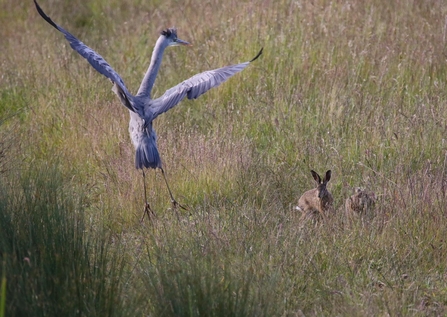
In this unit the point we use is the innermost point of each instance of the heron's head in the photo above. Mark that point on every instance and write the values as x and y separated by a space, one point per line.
171 36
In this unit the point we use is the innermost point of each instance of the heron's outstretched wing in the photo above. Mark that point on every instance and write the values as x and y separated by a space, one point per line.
195 86
96 60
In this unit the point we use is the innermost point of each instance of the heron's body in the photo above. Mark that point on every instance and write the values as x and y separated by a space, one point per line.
143 109
144 140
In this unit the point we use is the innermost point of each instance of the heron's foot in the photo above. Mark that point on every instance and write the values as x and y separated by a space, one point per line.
175 204
149 212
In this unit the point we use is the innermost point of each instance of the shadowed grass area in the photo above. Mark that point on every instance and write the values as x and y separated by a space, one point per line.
356 87
55 261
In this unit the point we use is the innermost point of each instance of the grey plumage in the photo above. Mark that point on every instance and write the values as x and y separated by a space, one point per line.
143 109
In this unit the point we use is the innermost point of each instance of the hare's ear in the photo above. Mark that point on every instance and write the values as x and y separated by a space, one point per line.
327 177
316 176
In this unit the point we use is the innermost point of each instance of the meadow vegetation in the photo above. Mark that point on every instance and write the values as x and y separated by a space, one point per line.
358 87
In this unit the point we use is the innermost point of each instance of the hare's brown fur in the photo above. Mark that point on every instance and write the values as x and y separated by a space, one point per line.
318 202
360 204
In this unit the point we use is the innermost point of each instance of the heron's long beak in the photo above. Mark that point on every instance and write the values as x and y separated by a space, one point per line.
181 42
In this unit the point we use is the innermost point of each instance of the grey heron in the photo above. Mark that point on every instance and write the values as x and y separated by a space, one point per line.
142 108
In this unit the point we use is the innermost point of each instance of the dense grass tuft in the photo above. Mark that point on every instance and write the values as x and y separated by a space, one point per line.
55 262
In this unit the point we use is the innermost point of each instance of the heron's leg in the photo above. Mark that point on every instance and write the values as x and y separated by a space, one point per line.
147 208
173 201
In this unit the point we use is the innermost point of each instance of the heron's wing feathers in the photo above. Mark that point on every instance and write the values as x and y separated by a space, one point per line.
124 98
96 60
194 87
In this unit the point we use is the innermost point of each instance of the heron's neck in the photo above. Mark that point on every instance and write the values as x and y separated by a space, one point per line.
149 79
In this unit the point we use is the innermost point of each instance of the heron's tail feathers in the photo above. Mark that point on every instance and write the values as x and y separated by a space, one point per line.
147 156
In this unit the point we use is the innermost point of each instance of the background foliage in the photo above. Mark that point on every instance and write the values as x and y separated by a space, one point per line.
358 87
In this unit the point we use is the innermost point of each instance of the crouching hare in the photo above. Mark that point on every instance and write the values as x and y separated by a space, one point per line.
316 203
360 204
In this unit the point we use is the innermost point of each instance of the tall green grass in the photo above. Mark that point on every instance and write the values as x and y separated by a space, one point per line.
55 261
199 275
355 87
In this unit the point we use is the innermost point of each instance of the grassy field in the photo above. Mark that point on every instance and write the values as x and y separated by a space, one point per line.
358 87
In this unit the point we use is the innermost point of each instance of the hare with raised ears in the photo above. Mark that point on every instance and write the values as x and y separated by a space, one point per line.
316 203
